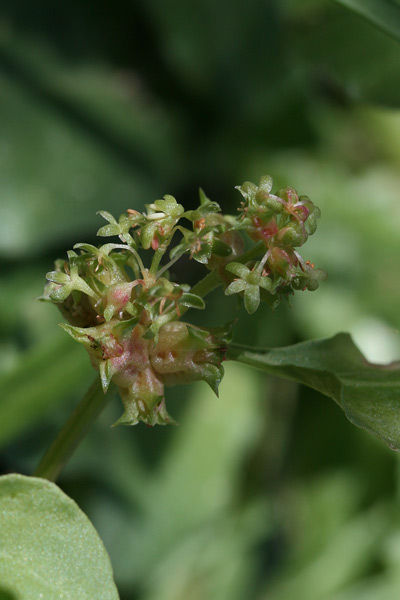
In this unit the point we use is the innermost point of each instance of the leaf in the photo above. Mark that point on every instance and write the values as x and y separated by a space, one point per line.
369 394
49 548
385 14
341 68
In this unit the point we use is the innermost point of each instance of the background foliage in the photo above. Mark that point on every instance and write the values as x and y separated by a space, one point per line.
267 492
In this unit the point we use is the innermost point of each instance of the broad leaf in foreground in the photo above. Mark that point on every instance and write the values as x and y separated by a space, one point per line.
48 547
369 394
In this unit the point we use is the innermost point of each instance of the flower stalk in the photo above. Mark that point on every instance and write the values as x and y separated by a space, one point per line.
73 431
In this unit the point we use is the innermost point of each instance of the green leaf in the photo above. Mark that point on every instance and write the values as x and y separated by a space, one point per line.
385 14
369 394
49 548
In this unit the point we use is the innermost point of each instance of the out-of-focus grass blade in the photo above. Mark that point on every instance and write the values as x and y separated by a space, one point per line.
385 14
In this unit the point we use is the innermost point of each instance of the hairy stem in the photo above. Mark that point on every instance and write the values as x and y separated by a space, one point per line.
72 432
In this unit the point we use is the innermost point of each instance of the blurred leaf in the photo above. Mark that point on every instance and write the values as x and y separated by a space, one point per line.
348 60
6 595
43 377
345 556
385 14
75 141
369 394
49 548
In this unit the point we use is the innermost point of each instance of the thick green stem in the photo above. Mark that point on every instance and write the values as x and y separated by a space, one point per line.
73 432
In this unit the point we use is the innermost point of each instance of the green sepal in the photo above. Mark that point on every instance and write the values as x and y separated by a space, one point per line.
112 228
312 220
119 228
198 334
147 234
266 283
82 335
206 207
213 376
169 206
70 282
238 269
235 287
248 191
251 298
89 248
106 372
203 255
60 294
108 230
124 328
149 409
219 248
192 301
109 311
58 277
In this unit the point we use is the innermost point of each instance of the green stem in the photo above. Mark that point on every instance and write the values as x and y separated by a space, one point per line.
169 264
247 355
72 432
246 348
212 280
158 254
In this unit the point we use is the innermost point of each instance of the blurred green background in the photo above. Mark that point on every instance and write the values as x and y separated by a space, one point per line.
266 493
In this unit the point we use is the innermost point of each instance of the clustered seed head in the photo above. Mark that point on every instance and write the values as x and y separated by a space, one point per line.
128 316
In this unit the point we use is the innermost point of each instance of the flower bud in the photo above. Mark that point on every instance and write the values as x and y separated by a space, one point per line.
264 230
292 235
281 262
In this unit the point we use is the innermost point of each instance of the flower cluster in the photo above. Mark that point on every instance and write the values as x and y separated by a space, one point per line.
128 315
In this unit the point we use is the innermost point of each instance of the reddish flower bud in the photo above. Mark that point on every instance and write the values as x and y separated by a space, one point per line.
281 262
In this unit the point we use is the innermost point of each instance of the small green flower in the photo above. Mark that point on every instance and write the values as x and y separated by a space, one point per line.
68 282
161 218
249 282
205 208
121 227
